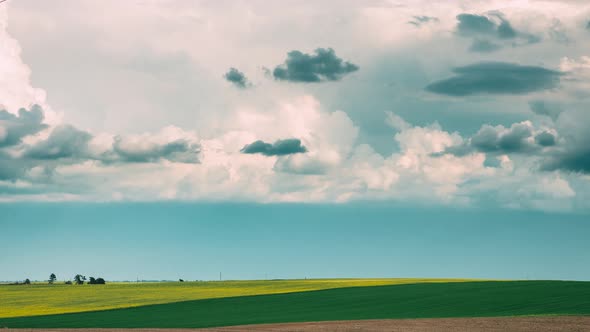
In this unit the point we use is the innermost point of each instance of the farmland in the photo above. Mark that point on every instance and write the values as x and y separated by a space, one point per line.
43 299
409 300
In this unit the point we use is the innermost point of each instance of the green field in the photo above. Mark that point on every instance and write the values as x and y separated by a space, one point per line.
463 299
44 299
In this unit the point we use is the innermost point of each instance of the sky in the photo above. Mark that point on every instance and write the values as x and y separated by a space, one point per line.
450 105
192 241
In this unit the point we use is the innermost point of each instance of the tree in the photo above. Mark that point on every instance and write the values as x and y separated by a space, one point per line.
79 279
91 281
100 281
52 278
180 280
68 282
27 281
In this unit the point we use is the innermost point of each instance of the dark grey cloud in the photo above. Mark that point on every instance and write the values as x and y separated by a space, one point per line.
420 20
506 31
491 32
572 153
484 46
279 148
545 139
493 25
237 78
324 65
575 160
489 139
64 142
546 108
499 140
474 25
68 145
142 152
515 140
13 128
496 78
12 168
588 25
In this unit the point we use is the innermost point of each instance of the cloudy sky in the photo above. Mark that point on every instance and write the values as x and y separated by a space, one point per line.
464 103
443 139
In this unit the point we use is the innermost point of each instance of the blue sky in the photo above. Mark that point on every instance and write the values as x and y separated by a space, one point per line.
252 241
477 110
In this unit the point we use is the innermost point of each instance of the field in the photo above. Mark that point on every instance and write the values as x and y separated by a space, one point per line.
43 299
417 300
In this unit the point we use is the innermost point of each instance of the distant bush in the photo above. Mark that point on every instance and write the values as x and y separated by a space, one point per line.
97 281
68 282
27 281
180 280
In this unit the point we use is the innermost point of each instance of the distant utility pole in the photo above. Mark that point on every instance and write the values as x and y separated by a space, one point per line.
219 276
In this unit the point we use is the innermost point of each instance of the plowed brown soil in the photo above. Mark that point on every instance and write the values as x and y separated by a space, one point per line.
512 324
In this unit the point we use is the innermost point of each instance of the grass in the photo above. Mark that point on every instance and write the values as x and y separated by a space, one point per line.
43 299
466 299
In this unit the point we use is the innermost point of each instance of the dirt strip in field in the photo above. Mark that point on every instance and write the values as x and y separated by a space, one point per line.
514 324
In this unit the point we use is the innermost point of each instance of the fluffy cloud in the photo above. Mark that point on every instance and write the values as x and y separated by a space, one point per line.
324 65
496 78
237 78
279 148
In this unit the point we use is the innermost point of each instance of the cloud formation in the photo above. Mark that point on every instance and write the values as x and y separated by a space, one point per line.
144 150
520 137
496 78
545 139
237 78
491 32
484 46
546 108
574 159
279 148
65 141
322 66
14 127
422 19
351 153
475 25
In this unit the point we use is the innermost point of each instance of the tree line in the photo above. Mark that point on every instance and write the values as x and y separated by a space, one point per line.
78 280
